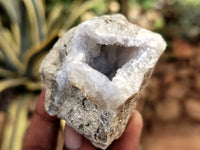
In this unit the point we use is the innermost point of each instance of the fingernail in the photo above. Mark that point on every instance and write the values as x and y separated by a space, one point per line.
73 140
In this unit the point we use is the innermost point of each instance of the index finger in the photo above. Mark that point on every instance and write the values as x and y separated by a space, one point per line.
43 130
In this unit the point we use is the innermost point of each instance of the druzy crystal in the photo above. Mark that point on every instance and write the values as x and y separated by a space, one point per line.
95 72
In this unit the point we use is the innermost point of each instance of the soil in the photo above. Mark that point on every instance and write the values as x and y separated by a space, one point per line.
171 103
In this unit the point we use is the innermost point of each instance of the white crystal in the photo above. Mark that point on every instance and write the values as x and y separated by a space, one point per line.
94 73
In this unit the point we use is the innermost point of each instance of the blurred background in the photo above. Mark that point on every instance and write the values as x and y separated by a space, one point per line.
170 104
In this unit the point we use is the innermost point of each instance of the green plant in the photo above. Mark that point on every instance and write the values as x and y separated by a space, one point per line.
144 4
16 123
181 18
28 28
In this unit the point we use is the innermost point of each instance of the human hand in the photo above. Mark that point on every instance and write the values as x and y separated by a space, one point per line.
43 131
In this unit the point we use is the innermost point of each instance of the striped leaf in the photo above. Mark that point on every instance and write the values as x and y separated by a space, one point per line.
16 123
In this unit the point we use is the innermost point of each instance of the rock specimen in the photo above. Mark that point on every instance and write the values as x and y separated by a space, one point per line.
95 72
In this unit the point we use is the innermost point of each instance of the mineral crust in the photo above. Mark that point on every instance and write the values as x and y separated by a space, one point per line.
95 72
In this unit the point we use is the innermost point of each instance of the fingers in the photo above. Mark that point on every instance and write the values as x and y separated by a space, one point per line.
131 136
75 141
43 130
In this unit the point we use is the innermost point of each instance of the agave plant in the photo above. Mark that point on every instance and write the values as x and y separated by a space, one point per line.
28 28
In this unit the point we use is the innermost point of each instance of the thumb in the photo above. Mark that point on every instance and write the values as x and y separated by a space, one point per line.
131 136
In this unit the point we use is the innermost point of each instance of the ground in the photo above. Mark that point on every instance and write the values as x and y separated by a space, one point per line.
171 103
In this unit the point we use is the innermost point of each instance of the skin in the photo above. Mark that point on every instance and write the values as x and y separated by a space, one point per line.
43 130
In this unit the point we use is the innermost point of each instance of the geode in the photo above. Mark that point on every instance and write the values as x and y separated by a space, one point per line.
95 72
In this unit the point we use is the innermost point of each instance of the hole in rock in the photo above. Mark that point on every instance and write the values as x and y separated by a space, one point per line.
107 59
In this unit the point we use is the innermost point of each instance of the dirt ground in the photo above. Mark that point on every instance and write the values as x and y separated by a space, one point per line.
171 103
183 135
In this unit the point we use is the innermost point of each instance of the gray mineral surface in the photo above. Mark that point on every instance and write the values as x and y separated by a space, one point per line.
95 73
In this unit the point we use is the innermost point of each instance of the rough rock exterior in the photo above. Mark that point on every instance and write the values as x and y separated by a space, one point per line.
95 72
